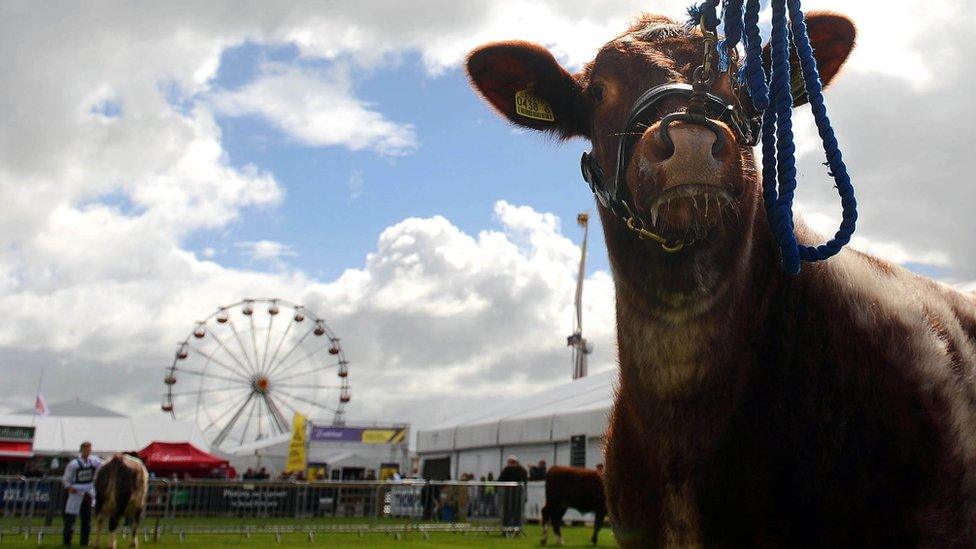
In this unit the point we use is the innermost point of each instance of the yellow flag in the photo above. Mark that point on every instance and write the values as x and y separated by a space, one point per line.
296 450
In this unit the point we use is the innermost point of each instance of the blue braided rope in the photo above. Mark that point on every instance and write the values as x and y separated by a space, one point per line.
732 14
755 74
775 102
835 160
780 216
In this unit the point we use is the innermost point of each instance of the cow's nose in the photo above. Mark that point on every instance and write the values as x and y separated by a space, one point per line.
678 137
687 153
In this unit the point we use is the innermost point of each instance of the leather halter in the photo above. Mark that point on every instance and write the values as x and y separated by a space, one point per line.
704 109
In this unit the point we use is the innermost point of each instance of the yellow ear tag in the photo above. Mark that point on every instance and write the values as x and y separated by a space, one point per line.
531 105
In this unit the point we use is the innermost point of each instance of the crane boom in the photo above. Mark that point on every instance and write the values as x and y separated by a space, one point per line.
580 346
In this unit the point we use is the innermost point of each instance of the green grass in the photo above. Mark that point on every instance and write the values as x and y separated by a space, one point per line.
576 536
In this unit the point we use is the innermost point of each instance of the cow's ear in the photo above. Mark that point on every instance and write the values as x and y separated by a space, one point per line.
526 85
832 38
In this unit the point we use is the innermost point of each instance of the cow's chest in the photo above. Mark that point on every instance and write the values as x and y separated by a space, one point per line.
681 522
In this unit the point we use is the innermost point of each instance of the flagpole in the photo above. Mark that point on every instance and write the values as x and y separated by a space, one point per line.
40 380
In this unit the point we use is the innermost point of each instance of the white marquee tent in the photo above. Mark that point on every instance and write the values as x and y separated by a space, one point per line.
537 427
73 422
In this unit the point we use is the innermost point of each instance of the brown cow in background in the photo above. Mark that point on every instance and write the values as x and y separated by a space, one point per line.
121 486
836 407
576 487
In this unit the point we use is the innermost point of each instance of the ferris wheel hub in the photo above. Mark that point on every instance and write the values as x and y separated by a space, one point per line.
260 384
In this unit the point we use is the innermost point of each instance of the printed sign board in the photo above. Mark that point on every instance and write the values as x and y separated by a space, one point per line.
367 435
16 433
577 451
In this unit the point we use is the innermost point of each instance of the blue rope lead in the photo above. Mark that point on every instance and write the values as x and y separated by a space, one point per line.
775 102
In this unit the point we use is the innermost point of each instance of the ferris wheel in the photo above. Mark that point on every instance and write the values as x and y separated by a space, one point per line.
243 371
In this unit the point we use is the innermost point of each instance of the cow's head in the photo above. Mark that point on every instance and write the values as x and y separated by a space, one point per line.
703 186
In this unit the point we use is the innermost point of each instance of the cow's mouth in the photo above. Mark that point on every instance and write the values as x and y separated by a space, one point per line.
690 210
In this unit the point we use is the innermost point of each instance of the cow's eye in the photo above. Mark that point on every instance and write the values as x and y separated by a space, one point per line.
597 91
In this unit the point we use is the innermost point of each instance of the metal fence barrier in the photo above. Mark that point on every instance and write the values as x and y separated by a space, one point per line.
33 507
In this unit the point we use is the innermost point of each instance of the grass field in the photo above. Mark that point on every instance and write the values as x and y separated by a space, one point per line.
576 536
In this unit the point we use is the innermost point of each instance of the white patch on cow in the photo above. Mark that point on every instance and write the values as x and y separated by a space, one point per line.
678 333
681 344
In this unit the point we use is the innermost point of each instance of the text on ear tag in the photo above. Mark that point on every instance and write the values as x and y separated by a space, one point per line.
531 105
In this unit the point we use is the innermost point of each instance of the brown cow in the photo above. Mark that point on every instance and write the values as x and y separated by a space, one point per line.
576 487
830 408
121 485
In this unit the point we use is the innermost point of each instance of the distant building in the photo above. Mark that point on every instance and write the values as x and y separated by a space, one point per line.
563 426
35 443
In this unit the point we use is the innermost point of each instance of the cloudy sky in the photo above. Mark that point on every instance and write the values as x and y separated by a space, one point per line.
160 159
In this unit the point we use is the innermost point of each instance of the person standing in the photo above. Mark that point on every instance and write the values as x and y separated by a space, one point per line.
513 499
538 472
79 480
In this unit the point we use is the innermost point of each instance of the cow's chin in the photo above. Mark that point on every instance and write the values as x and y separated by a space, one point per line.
691 212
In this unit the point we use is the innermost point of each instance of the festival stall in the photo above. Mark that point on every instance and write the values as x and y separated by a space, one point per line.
181 459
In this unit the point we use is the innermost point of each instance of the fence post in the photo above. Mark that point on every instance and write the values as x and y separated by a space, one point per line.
168 510
21 494
54 502
296 488
31 495
375 515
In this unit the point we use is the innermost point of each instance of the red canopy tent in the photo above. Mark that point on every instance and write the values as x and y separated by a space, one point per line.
180 458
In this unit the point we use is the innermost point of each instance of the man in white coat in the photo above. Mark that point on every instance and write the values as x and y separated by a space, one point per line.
79 480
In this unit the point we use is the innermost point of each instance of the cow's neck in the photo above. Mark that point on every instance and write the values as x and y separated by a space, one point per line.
684 328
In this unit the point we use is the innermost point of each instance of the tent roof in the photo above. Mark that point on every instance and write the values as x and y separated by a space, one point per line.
178 456
580 406
256 447
591 392
64 434
74 408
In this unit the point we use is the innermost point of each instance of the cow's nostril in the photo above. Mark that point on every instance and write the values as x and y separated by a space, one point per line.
666 150
663 145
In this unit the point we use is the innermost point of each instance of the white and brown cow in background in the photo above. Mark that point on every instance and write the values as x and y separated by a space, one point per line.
755 408
121 485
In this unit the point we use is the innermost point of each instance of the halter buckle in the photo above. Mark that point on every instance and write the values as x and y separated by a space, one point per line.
636 224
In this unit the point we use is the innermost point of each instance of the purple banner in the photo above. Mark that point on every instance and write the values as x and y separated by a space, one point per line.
367 435
347 434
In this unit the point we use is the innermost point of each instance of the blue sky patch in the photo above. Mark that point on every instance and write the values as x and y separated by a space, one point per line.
468 159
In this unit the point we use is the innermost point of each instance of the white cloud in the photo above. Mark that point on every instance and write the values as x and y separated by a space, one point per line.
317 109
451 315
893 251
434 321
265 250
355 183
906 147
